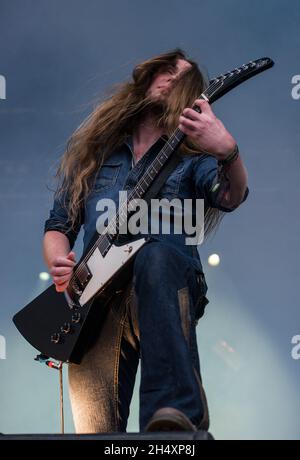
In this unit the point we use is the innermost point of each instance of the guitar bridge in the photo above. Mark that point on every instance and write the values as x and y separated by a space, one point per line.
83 276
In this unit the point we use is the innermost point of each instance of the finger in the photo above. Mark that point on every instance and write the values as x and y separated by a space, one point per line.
187 131
63 262
191 114
71 255
187 123
61 279
204 106
60 271
61 288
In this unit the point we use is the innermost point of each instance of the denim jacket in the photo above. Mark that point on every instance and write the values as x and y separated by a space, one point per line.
194 177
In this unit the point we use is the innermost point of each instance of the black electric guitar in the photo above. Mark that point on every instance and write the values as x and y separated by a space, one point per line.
60 325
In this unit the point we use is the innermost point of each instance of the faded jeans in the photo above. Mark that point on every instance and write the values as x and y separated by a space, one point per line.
154 319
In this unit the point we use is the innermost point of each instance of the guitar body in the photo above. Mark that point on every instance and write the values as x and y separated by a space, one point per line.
62 329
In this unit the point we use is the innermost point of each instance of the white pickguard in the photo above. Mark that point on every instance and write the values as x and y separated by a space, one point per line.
104 268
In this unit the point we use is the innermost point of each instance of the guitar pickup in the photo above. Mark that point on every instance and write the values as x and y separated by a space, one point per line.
83 276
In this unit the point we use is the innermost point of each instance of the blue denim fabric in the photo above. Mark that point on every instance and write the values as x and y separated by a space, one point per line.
168 299
194 177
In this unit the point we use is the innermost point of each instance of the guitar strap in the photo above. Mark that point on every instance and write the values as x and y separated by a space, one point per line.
159 181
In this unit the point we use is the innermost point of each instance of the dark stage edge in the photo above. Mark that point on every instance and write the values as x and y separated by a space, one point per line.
162 435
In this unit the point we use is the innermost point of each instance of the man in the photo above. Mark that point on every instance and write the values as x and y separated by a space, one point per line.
155 317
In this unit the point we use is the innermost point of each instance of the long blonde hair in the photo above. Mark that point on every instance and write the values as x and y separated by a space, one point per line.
112 120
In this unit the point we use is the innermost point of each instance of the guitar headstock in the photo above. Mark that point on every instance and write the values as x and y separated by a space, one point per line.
223 83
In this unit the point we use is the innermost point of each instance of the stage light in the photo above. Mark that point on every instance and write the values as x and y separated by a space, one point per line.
214 260
44 276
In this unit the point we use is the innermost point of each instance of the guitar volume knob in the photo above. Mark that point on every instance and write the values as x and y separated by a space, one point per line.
55 338
66 328
76 318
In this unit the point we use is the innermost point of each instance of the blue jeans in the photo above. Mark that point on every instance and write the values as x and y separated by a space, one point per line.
154 319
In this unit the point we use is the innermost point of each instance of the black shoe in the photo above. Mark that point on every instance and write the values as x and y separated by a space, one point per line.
170 419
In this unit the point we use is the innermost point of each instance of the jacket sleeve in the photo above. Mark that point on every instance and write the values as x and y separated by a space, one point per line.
211 182
59 221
